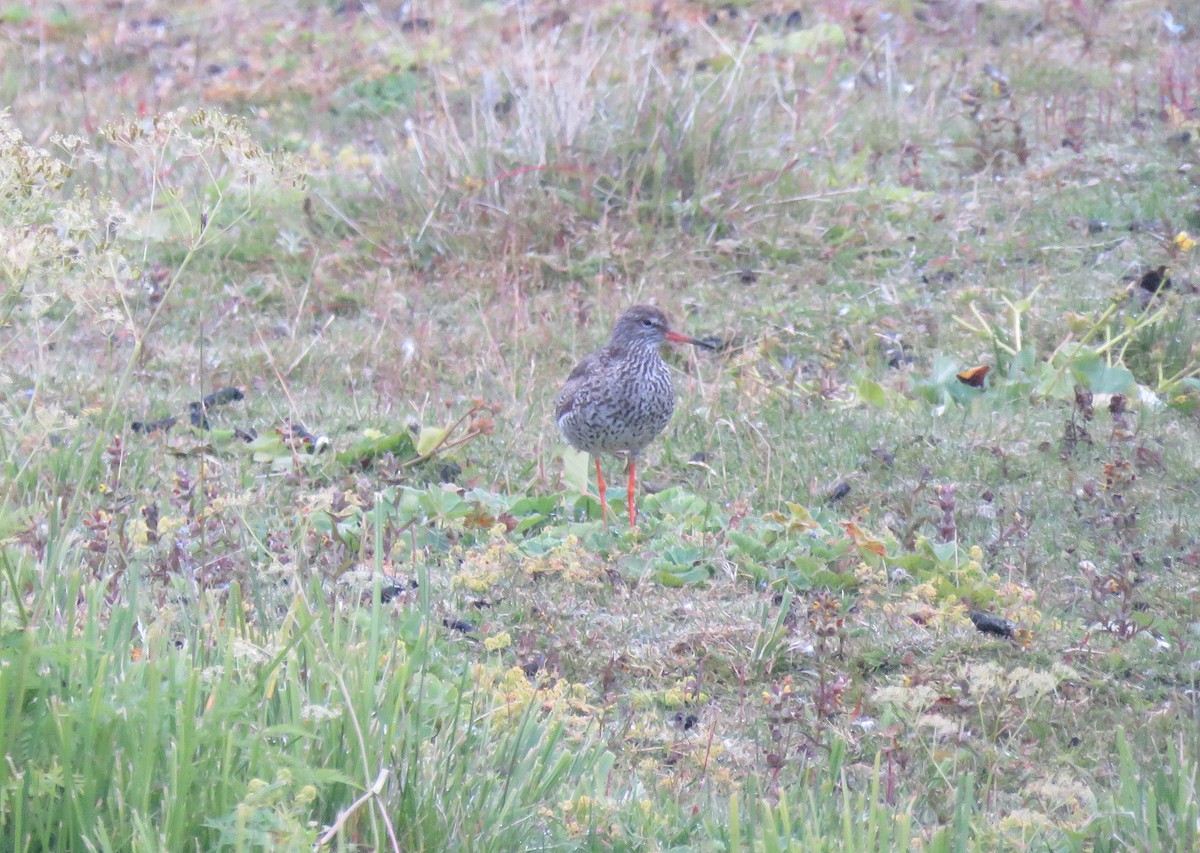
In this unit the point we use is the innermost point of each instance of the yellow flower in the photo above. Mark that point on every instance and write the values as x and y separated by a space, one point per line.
138 533
1183 242
306 795
498 641
675 697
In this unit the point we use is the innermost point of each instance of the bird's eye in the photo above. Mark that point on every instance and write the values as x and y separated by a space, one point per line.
648 323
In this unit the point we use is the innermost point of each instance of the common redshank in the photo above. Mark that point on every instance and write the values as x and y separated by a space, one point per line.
620 397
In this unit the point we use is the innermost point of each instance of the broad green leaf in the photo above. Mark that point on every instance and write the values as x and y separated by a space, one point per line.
1053 383
526 505
374 443
748 545
575 469
430 438
937 388
268 447
872 393
443 502
754 572
944 550
677 576
683 555
1100 377
1022 363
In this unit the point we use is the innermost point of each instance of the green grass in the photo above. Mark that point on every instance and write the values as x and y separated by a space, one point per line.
392 621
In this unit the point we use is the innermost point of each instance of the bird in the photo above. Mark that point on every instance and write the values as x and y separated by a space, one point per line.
618 398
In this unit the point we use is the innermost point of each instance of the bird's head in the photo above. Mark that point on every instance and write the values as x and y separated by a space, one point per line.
645 326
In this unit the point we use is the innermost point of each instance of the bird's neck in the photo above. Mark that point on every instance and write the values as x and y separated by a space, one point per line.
636 354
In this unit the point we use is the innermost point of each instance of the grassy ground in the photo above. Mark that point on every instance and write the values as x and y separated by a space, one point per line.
365 604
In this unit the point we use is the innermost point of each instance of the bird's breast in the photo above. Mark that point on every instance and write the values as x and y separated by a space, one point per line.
619 411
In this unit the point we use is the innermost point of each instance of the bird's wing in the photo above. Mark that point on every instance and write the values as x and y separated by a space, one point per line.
587 367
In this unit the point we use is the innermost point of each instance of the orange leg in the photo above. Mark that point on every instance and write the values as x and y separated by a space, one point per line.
602 486
629 494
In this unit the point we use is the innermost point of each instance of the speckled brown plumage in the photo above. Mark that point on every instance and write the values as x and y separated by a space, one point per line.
620 397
